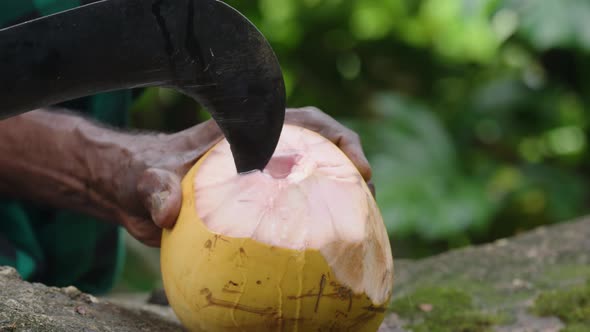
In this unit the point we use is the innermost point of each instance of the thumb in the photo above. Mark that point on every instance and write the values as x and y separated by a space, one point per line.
161 194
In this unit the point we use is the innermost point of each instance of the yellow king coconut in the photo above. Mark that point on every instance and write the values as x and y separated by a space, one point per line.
299 247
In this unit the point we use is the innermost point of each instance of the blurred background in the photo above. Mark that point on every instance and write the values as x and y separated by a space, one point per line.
472 112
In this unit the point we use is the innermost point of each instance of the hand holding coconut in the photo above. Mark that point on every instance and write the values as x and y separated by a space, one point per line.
130 178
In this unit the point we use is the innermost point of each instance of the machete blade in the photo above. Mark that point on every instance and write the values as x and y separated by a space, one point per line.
202 48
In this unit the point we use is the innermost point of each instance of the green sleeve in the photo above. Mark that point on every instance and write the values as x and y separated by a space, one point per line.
60 247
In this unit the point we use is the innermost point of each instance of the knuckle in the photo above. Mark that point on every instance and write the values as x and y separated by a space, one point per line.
313 109
351 136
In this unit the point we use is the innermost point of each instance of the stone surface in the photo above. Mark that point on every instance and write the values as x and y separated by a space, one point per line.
35 307
505 277
502 278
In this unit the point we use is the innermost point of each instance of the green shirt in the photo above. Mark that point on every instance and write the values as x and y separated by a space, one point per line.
60 247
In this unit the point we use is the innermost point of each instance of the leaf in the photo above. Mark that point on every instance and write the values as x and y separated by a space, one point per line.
420 188
553 24
458 30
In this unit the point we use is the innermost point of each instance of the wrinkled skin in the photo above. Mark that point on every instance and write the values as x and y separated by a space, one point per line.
132 179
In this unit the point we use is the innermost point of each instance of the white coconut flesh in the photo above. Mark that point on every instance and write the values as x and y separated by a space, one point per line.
310 196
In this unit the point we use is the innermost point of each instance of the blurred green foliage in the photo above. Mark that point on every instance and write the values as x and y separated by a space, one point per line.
472 112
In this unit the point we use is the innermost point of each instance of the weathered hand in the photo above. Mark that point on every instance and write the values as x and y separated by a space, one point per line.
65 161
146 183
144 175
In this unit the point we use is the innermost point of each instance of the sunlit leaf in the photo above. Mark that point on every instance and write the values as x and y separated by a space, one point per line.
278 10
374 19
549 23
460 29
421 188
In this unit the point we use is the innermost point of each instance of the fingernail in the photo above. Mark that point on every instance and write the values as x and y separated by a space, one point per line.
157 201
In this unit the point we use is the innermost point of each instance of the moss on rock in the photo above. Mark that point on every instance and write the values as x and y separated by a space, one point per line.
571 305
443 309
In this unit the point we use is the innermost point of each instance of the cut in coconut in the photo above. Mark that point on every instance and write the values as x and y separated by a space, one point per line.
300 246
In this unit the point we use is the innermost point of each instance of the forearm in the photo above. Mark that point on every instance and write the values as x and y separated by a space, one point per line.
45 157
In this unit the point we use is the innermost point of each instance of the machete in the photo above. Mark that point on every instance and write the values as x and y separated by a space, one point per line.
204 49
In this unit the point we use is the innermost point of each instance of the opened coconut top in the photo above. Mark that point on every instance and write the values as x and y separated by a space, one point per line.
310 196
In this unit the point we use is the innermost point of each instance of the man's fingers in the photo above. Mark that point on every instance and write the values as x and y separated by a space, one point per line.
347 140
308 117
200 137
161 193
145 232
351 146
